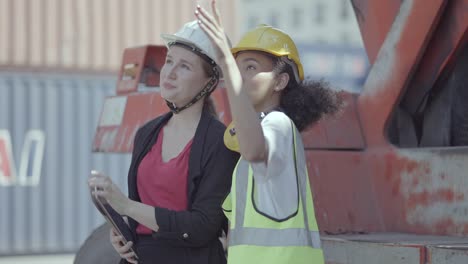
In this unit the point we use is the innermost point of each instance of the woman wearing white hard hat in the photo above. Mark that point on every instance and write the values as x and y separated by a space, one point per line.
181 169
270 208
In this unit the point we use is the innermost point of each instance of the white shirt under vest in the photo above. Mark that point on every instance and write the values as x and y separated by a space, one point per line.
275 181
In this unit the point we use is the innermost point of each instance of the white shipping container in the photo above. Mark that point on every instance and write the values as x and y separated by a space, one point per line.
46 208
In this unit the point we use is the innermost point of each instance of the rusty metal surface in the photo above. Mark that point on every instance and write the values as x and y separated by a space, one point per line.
410 190
439 55
396 61
328 133
428 190
383 188
344 196
375 19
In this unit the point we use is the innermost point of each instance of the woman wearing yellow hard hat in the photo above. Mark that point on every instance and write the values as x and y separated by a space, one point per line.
270 207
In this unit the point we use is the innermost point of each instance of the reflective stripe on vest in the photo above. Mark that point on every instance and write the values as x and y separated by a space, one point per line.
240 235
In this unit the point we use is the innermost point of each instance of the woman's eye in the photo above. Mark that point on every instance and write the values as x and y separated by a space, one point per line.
168 61
250 67
185 66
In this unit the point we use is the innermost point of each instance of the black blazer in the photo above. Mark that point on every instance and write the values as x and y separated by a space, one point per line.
194 232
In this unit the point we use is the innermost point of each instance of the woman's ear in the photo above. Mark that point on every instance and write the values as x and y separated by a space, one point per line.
282 81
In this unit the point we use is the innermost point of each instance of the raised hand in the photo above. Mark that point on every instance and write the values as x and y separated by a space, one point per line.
103 187
212 26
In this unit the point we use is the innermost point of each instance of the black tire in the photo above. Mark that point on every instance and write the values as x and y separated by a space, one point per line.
97 248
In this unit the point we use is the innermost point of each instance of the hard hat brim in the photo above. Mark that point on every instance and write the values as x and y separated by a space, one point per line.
169 38
234 51
300 73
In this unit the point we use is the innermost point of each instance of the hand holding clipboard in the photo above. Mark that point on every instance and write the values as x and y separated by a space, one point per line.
98 184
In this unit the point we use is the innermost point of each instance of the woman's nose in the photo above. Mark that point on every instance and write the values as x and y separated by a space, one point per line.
172 72
168 71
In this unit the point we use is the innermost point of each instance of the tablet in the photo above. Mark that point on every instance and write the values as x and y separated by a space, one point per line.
114 219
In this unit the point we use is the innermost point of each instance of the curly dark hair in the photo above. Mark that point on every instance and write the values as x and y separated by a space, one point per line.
306 102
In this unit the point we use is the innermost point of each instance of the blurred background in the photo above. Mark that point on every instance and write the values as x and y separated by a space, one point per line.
59 59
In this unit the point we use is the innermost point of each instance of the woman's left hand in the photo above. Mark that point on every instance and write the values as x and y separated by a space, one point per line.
212 26
103 187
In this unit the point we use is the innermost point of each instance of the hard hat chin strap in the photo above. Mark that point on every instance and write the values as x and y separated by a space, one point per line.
206 91
293 66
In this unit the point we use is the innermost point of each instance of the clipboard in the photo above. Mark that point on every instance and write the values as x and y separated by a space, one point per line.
115 220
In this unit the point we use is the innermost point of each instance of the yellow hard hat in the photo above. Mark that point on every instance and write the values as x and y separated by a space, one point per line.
230 138
273 41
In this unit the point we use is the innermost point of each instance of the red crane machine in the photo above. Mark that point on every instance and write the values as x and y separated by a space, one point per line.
390 174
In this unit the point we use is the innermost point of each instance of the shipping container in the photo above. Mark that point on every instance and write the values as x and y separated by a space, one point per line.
47 124
89 35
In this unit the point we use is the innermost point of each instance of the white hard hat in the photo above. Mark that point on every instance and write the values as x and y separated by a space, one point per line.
191 34
194 38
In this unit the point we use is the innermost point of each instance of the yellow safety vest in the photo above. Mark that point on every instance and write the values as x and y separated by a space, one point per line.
257 238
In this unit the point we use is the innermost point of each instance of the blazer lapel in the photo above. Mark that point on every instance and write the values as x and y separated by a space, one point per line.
195 158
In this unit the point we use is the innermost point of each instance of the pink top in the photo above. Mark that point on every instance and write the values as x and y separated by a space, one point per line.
163 184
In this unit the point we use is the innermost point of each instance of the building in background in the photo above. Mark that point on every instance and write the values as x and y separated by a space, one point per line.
325 31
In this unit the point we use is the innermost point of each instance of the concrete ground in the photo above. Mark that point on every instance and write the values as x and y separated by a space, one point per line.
38 259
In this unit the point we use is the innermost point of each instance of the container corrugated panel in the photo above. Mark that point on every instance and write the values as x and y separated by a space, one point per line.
51 213
91 34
